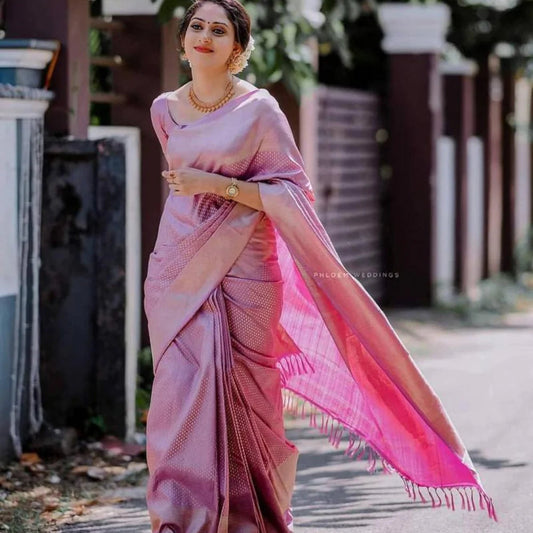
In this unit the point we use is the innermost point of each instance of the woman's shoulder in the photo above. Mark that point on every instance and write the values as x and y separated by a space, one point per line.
160 99
266 103
268 108
261 95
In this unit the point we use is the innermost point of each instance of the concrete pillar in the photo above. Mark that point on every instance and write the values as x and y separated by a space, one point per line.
133 282
414 35
531 159
68 22
489 127
151 62
20 119
459 124
508 237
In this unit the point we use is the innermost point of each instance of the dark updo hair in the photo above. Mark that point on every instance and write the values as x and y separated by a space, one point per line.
235 12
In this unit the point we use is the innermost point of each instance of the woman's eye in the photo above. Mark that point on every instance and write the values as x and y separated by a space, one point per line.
198 26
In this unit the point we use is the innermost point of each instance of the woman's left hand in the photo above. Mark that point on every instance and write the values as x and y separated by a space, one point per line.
187 181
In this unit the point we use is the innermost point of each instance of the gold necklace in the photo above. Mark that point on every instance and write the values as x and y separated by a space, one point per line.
206 108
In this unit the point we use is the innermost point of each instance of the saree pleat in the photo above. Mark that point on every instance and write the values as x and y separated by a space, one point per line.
217 453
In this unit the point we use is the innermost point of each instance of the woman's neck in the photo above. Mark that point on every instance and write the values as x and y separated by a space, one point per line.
209 86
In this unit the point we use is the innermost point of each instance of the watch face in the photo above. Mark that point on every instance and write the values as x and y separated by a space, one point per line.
232 190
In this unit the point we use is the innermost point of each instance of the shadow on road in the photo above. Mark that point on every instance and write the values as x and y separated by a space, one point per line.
481 460
334 490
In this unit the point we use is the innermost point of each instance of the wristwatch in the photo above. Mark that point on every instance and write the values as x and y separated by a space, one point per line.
232 190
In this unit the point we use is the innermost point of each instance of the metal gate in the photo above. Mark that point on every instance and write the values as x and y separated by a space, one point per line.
349 182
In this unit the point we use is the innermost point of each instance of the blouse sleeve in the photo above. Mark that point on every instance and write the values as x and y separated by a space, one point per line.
158 122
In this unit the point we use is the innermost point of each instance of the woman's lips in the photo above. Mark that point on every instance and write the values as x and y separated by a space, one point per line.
203 50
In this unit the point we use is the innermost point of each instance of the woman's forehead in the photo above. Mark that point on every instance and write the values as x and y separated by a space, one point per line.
211 13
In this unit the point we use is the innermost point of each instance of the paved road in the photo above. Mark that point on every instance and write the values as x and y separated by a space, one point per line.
484 377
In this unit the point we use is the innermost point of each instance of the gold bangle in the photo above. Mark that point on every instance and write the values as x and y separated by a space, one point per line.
232 190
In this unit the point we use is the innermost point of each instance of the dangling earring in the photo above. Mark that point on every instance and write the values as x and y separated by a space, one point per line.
182 54
239 61
232 62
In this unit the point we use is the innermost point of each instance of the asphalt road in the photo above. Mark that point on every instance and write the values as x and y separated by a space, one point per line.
484 377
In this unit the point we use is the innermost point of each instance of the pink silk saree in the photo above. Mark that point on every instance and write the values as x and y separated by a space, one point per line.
252 312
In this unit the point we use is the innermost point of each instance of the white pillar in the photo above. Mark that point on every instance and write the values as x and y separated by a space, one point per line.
523 159
444 224
130 7
9 279
475 214
19 324
413 28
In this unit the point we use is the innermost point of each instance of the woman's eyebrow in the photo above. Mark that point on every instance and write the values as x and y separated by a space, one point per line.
223 23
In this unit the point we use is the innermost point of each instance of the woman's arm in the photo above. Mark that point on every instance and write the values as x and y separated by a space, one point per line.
187 181
248 192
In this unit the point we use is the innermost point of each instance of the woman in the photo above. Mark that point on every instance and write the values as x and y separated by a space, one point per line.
246 295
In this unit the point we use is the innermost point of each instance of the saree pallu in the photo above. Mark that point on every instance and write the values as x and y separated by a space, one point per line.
252 312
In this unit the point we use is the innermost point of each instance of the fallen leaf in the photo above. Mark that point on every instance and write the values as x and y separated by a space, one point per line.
37 492
97 473
51 503
29 459
137 467
36 467
81 469
114 470
6 484
78 509
112 500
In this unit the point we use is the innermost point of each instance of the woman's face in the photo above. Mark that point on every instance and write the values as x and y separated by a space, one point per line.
210 29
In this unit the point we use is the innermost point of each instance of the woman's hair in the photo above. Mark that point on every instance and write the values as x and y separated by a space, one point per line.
235 12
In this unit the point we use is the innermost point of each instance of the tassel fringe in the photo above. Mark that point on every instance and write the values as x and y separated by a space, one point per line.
294 364
357 446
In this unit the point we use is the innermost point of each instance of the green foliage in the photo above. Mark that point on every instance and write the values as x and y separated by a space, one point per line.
496 296
145 369
94 425
479 26
144 385
21 518
100 78
357 61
